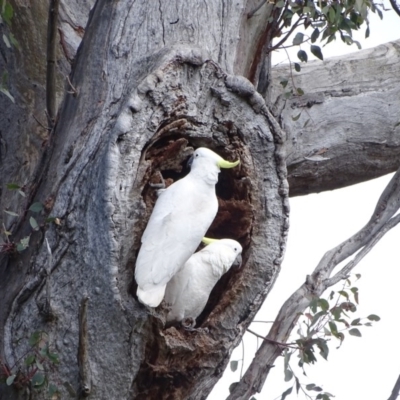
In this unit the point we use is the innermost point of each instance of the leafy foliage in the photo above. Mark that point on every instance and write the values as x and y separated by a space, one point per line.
324 320
34 367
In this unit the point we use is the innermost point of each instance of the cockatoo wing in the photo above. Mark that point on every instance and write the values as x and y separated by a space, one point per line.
180 218
189 290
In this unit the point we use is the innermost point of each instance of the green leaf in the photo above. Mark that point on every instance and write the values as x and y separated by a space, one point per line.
300 91
295 118
52 390
10 379
302 55
286 393
7 13
348 306
356 322
34 338
11 213
374 317
34 224
333 328
316 50
298 39
12 186
288 375
6 41
39 365
7 93
234 365
232 386
280 4
306 123
323 348
323 304
344 294
354 332
358 276
38 380
283 82
53 357
314 35
297 67
23 244
317 317
297 384
313 386
14 41
36 207
30 359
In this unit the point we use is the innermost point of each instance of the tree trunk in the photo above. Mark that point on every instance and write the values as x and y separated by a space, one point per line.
150 82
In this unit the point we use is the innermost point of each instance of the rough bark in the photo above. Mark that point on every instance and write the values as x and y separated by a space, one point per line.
125 123
353 132
150 81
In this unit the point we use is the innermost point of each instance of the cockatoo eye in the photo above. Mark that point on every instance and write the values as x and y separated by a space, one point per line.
196 155
235 249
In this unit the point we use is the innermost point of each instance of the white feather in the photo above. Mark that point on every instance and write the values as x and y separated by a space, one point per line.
188 291
180 218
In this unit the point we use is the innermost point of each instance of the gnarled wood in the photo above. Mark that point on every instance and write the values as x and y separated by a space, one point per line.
353 132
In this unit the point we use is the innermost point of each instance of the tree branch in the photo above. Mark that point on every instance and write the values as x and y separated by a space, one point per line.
51 62
381 221
395 7
396 390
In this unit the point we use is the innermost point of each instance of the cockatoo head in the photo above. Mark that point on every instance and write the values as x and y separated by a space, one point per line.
206 164
202 155
231 250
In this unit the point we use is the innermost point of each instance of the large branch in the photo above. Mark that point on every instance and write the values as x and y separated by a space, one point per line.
382 220
396 389
351 104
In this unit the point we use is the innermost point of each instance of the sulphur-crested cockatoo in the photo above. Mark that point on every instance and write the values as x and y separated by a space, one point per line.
181 216
188 291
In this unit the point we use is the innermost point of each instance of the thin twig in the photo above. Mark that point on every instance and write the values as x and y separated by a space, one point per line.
293 27
241 368
74 91
289 345
251 13
45 127
51 61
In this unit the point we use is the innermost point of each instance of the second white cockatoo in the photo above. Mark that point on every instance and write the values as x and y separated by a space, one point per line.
181 216
188 291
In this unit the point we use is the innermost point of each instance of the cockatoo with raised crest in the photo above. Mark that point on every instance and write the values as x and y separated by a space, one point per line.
181 216
188 291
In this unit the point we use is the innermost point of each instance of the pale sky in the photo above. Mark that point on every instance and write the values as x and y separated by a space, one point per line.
366 367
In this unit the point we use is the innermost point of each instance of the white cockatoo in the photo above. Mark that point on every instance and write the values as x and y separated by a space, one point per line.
188 291
181 216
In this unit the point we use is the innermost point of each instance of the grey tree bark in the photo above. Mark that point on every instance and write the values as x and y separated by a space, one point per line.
149 82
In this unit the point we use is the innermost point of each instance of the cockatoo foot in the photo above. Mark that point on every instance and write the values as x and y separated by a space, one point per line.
189 325
160 185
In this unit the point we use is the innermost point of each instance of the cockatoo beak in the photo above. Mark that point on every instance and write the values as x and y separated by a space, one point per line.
208 241
227 164
238 262
190 162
